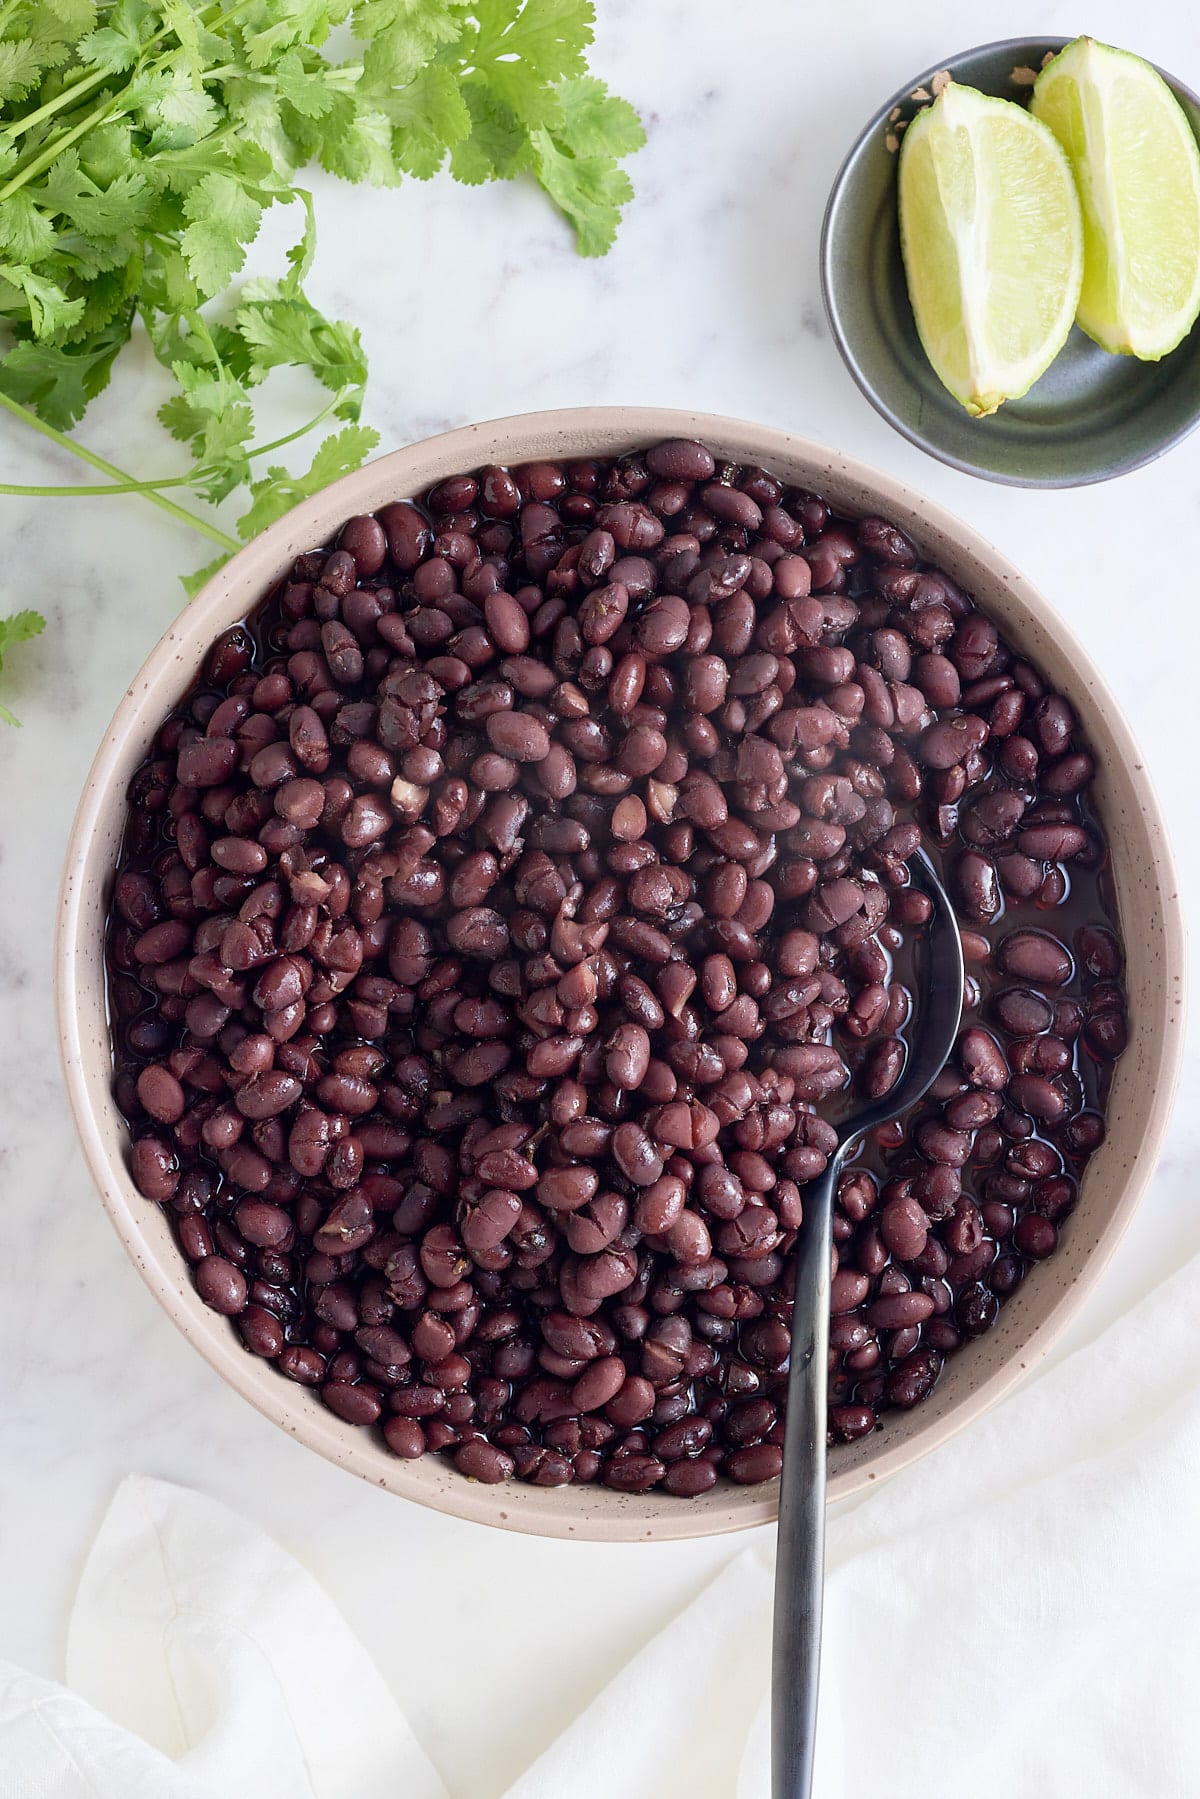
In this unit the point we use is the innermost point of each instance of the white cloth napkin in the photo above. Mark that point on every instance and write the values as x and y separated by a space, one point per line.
1016 1617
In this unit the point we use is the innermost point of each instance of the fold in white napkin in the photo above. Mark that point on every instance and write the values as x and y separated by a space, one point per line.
1016 1617
190 1664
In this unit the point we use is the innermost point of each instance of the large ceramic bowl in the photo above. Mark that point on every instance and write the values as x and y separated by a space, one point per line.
976 1376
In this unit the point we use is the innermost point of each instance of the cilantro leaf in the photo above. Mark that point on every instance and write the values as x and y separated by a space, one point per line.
521 48
591 190
25 233
110 51
51 311
61 382
280 328
212 414
61 21
577 160
21 65
106 297
300 256
176 109
19 627
547 37
402 35
224 219
97 211
168 293
116 46
595 122
199 577
275 25
257 112
303 90
180 18
355 141
107 151
88 257
277 492
498 145
428 117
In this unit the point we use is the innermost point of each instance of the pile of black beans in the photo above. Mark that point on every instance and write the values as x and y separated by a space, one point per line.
507 912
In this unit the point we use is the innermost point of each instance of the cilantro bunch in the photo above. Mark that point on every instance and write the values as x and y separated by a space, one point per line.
141 142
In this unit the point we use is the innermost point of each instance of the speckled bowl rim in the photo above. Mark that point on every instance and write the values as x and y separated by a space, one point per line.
984 1370
831 283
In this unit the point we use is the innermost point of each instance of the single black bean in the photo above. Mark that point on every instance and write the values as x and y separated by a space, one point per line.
221 1285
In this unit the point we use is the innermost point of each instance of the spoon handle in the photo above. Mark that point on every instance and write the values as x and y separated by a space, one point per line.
800 1555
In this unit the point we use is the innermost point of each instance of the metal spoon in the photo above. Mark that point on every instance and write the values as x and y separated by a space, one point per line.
800 1557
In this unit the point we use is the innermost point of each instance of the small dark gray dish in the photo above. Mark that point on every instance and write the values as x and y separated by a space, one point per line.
1090 417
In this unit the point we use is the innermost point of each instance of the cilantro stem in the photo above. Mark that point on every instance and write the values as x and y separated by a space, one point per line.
108 468
279 442
128 483
93 491
67 98
53 148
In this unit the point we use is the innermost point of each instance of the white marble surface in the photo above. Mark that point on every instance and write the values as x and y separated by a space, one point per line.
473 304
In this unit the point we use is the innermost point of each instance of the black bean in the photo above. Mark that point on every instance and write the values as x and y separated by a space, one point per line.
155 1168
754 1463
904 1227
663 626
261 1331
221 1285
1035 956
518 736
480 1460
679 459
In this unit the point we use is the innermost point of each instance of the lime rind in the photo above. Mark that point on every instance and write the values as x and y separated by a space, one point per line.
991 237
1137 166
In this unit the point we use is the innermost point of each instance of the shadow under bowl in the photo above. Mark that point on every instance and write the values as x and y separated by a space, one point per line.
1090 417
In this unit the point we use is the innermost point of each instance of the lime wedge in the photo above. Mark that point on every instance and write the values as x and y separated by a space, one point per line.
1138 168
992 242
